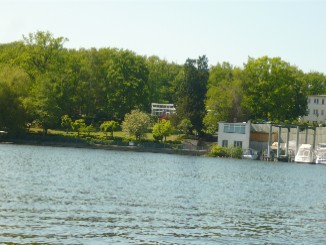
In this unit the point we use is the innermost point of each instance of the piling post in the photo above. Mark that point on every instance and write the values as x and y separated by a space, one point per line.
269 141
314 140
297 143
279 141
287 142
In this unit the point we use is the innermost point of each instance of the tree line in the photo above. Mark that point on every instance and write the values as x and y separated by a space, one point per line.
41 81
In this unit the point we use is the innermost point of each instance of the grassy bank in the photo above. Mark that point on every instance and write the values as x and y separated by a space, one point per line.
98 140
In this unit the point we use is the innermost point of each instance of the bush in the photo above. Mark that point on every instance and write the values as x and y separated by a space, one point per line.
234 152
158 137
218 151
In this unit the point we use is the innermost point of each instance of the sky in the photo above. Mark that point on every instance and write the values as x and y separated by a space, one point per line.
174 30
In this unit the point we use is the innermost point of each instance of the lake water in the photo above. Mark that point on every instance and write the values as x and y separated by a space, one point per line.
58 195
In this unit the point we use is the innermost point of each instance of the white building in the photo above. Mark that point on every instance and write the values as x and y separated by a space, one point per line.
162 109
234 134
316 109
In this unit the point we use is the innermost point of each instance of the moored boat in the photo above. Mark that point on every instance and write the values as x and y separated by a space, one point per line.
321 153
305 154
250 154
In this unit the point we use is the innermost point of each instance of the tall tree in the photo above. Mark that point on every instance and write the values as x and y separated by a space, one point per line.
127 84
45 64
12 114
224 96
274 90
43 53
161 79
315 83
14 84
191 91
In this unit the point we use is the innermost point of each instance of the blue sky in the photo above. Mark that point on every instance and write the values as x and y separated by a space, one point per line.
175 30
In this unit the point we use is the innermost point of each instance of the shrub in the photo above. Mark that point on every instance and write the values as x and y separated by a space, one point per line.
234 152
218 151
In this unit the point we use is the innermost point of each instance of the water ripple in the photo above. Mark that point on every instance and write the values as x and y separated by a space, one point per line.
77 196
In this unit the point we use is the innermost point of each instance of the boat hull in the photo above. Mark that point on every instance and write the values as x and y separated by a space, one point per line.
304 160
305 154
321 154
321 159
250 157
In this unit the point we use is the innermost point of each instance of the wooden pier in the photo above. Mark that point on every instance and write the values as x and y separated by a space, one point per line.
270 155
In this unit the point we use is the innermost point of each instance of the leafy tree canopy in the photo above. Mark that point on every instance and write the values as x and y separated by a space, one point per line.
224 96
273 90
109 126
12 113
127 81
136 124
66 122
79 125
191 91
162 128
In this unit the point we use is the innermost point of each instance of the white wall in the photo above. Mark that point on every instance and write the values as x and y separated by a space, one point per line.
232 137
316 108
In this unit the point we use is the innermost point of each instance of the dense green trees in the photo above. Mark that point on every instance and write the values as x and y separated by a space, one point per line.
315 82
273 90
224 96
12 114
14 84
162 79
191 92
41 80
127 84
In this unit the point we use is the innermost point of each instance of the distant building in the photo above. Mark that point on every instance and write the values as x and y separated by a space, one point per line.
234 134
316 109
262 136
162 109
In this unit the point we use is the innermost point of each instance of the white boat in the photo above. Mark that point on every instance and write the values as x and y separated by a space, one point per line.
250 154
305 154
321 153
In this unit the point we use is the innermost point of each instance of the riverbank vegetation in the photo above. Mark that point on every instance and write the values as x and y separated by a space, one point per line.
95 91
219 151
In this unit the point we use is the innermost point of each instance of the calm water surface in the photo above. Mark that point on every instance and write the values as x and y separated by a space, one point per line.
79 196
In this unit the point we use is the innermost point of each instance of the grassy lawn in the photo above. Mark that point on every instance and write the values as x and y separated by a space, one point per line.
120 134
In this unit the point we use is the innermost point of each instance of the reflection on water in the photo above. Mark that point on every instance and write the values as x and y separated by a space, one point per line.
79 196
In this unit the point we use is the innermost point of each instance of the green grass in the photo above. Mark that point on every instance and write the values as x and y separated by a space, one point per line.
98 134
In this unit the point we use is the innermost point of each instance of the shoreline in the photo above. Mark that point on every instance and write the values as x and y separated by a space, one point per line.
109 147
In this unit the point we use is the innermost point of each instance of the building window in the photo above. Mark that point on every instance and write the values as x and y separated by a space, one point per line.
224 143
308 101
162 109
235 128
322 101
238 144
322 112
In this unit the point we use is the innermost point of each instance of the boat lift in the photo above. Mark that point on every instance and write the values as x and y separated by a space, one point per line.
288 126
